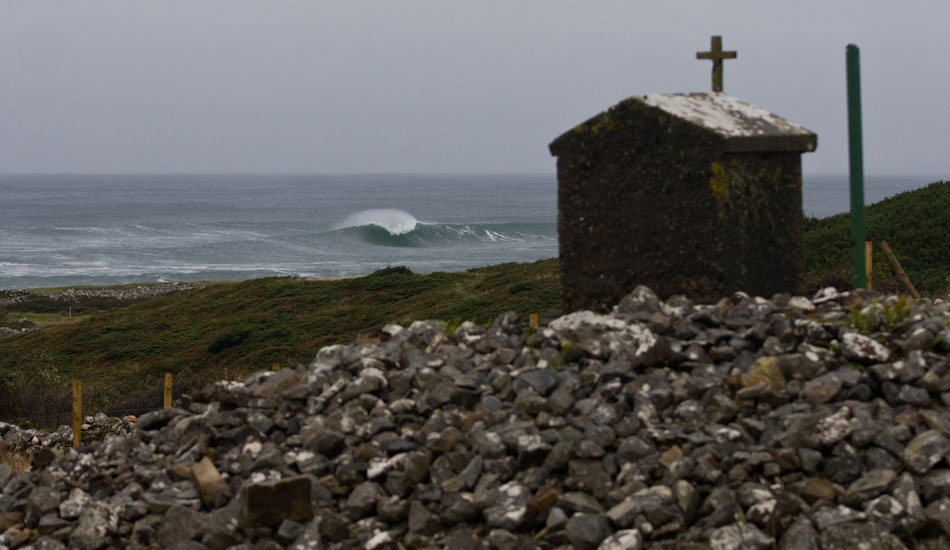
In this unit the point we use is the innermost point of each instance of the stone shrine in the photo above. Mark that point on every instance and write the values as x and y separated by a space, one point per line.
697 194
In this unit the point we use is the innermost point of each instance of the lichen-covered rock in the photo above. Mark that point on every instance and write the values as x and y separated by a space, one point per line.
861 348
97 523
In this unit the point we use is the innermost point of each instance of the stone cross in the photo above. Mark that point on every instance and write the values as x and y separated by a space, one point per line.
717 55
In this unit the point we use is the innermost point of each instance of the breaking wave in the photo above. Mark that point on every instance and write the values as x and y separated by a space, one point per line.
393 221
396 228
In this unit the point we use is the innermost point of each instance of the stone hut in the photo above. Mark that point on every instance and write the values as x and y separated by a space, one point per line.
696 194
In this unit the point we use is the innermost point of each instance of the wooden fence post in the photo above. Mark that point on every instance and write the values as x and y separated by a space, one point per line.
77 413
867 262
168 389
900 271
533 320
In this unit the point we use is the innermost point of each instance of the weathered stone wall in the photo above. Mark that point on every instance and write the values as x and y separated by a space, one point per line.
646 198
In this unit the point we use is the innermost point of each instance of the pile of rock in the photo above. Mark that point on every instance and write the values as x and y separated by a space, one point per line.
755 424
74 295
134 293
94 428
13 331
14 296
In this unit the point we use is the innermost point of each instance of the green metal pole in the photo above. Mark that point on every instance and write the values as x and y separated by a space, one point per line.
856 156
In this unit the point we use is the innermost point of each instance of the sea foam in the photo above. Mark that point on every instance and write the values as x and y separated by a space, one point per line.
395 221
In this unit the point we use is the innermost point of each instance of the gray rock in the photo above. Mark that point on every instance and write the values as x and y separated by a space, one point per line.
858 347
847 536
51 522
382 540
510 506
925 451
832 515
798 366
628 539
156 419
624 513
457 508
309 539
871 484
43 499
641 300
587 531
938 512
97 524
910 395
935 484
45 542
181 524
884 512
822 389
833 428
801 535
580 503
658 505
362 500
739 536
686 496
543 381
289 531
421 520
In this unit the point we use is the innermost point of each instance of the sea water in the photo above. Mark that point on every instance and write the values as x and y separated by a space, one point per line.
58 230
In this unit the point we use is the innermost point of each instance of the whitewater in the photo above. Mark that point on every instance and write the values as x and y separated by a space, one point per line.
70 230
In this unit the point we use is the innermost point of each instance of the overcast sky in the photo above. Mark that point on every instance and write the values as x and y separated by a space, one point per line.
356 86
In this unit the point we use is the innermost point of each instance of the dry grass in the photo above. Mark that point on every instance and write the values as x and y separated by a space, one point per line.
18 460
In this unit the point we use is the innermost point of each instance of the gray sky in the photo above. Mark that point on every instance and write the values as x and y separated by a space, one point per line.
355 86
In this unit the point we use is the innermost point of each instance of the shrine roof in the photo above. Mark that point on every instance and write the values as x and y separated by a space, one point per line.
741 126
725 114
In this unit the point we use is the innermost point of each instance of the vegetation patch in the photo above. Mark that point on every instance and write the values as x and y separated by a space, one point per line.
916 225
229 330
229 339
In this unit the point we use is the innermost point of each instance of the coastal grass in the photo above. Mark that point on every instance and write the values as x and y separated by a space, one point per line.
228 330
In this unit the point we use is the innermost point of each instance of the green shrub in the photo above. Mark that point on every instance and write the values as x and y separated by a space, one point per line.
521 287
394 270
229 339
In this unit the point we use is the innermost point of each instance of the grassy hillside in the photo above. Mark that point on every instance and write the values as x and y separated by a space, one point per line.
916 225
227 330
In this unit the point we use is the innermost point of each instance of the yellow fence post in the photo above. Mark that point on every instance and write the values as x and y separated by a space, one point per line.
867 262
168 389
77 413
533 320
275 367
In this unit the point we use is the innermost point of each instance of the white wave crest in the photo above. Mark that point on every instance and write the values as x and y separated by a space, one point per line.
396 222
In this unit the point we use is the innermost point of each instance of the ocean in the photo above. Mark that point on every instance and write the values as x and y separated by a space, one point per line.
70 230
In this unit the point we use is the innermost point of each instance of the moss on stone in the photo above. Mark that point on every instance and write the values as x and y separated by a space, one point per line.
719 185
